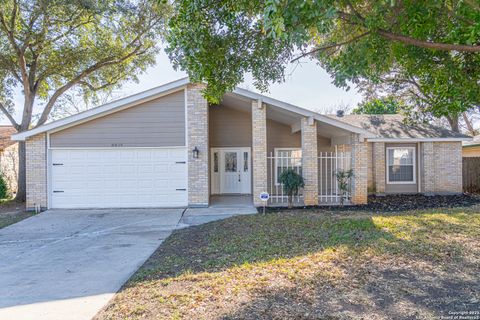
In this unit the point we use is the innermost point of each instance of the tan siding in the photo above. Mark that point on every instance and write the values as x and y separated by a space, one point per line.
281 136
471 151
230 128
324 144
403 188
157 123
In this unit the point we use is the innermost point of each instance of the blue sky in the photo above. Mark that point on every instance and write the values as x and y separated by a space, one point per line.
307 85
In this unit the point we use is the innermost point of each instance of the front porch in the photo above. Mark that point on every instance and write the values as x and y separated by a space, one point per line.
251 142
329 163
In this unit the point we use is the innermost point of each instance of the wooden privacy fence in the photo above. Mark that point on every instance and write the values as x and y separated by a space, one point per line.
471 174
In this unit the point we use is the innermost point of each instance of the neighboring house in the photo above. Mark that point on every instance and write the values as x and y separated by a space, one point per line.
9 157
167 147
471 148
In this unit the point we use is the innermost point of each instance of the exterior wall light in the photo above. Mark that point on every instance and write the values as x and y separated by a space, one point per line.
195 153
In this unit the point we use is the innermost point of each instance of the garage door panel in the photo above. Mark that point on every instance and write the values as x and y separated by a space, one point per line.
95 178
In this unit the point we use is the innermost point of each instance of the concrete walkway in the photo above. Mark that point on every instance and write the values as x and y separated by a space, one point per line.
196 216
67 264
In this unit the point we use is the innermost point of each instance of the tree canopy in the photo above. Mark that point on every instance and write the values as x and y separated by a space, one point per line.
387 105
431 46
48 47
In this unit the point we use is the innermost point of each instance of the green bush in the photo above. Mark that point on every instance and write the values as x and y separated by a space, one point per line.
292 182
343 179
4 194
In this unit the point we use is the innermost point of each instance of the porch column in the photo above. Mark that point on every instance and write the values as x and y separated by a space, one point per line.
259 150
379 167
310 161
360 170
427 164
36 172
197 128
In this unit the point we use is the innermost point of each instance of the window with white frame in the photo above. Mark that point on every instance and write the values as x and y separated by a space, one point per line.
287 158
401 165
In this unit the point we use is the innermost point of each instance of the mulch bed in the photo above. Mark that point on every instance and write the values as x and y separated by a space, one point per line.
396 203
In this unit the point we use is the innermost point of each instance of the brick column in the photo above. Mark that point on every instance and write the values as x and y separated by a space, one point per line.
379 167
197 126
360 170
428 166
36 172
310 161
259 150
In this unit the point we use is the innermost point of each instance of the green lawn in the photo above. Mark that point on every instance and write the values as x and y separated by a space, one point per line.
311 265
12 212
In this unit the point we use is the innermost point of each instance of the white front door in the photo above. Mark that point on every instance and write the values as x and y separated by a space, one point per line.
231 170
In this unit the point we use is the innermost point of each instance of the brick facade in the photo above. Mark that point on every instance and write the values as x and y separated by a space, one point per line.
197 136
259 150
36 172
379 164
360 170
310 161
442 167
439 163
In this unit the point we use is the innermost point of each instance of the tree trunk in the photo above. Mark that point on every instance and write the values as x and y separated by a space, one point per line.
21 181
469 125
26 119
453 121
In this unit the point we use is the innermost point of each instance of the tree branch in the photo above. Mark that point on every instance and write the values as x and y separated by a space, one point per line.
468 123
9 116
335 45
19 52
472 4
427 44
101 64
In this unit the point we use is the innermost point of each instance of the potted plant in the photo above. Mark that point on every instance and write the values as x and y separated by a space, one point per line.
292 182
343 180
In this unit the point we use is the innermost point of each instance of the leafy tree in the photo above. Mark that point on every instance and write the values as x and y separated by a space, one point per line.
48 47
386 105
433 46
292 182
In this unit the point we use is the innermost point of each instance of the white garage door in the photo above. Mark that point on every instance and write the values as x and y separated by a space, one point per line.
118 178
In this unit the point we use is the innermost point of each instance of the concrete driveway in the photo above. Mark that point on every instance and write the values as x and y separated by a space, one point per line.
67 264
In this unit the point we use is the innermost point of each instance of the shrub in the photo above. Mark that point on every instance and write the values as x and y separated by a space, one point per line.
292 182
343 179
3 188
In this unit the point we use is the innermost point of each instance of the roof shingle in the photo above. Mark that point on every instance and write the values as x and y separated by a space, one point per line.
392 126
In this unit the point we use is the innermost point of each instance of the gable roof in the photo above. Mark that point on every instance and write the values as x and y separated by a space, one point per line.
168 88
106 109
393 127
5 134
367 126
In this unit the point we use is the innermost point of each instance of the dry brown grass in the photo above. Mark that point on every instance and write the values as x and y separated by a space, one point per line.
311 265
12 212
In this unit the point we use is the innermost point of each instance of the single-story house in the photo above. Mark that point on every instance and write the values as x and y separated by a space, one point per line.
168 147
471 148
9 157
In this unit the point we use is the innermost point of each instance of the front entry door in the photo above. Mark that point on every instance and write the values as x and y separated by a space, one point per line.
234 170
